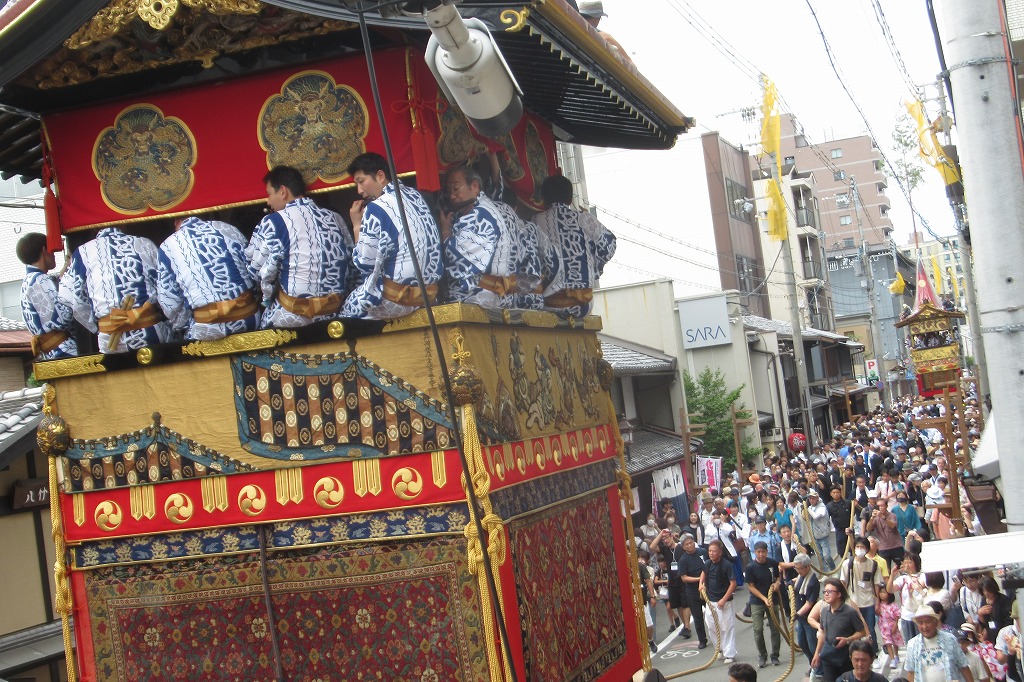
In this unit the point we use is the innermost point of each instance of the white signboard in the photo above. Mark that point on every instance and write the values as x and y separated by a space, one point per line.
871 367
705 322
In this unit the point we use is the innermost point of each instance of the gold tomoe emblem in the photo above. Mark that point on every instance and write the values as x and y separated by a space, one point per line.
328 492
178 508
108 515
252 500
407 483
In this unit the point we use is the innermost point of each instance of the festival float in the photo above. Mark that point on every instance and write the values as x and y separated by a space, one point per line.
933 340
437 497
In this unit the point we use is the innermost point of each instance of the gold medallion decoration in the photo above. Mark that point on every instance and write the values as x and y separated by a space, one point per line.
252 500
407 483
456 143
144 161
328 492
315 126
108 515
178 508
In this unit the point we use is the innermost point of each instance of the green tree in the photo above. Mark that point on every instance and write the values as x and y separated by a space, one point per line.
708 396
907 161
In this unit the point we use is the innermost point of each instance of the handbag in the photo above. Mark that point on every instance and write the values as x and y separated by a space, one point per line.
833 656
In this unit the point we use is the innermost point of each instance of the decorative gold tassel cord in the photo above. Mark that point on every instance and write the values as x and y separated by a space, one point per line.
495 528
52 437
718 641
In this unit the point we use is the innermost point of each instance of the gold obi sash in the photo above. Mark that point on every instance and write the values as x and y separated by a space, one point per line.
567 298
47 341
120 320
227 311
408 295
311 307
498 285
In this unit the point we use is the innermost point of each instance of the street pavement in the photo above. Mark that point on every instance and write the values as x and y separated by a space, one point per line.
676 654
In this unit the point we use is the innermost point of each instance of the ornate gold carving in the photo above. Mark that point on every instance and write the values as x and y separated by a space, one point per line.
457 143
467 386
605 374
240 343
366 476
143 501
144 356
540 318
157 13
52 435
289 485
328 492
516 19
593 323
314 125
449 313
178 508
107 516
201 33
252 500
407 483
335 329
438 469
215 493
69 367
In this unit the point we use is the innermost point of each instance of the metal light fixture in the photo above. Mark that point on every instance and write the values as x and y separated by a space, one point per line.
626 432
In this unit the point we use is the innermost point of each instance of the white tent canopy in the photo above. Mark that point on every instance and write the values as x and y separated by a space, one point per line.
976 552
985 460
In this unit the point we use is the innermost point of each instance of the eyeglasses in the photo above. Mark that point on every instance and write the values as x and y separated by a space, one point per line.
827 591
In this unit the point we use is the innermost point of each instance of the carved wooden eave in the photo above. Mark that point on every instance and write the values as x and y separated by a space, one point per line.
130 36
928 311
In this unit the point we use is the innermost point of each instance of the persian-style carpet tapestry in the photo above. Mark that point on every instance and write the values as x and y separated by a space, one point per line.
399 611
573 627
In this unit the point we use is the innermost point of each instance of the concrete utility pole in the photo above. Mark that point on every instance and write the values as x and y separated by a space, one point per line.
868 269
992 154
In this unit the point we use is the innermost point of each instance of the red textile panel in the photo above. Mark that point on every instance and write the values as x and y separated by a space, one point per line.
209 146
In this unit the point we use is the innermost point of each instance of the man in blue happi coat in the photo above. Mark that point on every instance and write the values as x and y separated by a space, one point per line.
584 246
386 284
298 255
205 289
48 319
111 286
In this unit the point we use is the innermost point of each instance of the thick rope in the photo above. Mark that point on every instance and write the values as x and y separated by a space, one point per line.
817 551
718 641
495 528
788 633
626 495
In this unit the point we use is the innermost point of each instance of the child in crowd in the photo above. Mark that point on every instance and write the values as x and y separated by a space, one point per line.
889 625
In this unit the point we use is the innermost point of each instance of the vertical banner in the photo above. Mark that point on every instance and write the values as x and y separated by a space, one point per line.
636 503
709 472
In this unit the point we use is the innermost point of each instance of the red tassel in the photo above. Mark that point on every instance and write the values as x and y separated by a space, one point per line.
54 242
424 159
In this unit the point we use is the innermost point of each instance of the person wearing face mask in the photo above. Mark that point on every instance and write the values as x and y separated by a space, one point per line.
650 529
670 521
720 529
862 578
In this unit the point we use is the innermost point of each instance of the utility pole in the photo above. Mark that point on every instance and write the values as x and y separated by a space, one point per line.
868 270
989 130
796 322
966 262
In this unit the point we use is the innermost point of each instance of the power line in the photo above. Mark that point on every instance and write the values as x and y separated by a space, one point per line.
893 50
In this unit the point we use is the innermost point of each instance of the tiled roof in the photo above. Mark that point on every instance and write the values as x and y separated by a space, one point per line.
629 359
19 416
763 324
653 450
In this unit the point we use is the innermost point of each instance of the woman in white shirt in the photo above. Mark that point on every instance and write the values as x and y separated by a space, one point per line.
907 582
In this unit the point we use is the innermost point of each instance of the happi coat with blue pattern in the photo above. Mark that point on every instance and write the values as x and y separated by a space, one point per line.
481 243
533 256
203 262
102 274
583 245
44 312
382 252
303 250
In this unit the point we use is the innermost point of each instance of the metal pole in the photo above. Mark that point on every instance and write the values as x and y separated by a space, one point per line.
869 274
992 151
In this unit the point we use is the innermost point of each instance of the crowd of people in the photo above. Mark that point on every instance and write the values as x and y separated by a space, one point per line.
846 573
304 263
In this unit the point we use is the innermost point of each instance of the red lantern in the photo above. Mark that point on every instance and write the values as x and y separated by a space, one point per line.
797 442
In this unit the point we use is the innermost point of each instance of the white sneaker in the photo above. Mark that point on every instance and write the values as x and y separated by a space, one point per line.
728 661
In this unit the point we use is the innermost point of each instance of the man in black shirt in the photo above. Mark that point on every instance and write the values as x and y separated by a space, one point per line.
764 580
691 565
839 511
719 581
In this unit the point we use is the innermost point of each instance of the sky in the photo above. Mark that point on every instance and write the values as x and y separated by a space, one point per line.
662 192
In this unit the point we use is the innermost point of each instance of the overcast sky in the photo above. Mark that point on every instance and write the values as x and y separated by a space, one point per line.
780 39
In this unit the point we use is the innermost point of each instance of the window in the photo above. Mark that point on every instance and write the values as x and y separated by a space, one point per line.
735 196
843 200
839 175
790 159
837 153
848 242
845 220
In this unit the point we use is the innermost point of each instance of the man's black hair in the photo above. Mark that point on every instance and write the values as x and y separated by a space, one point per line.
286 176
30 247
370 163
742 672
556 189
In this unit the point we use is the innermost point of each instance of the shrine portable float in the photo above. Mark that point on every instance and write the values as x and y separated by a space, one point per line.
933 340
294 504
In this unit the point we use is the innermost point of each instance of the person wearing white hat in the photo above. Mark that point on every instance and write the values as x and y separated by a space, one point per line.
934 654
593 12
821 528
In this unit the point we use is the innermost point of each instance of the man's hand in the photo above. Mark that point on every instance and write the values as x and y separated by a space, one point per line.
816 661
841 642
444 223
721 604
355 214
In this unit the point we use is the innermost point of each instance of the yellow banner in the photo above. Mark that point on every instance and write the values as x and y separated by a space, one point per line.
771 133
940 289
954 284
899 286
777 222
929 147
